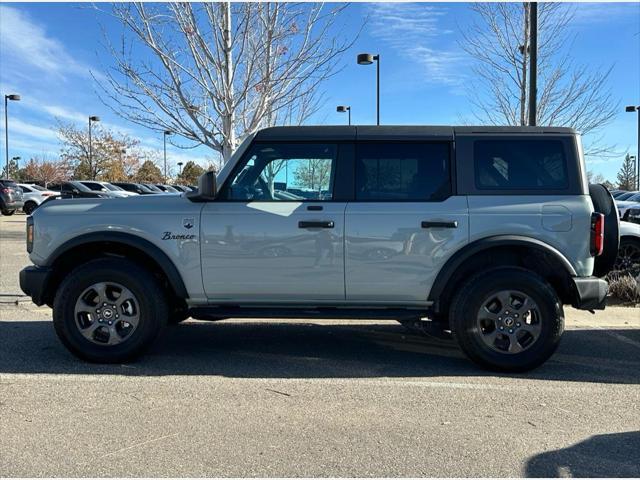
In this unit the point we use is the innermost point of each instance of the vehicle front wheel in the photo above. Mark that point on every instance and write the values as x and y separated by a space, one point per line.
29 207
507 319
109 311
8 212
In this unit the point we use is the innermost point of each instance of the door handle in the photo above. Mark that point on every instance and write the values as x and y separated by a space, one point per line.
453 224
311 224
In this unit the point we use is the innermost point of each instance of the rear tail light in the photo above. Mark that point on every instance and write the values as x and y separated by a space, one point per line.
597 234
6 190
29 234
47 194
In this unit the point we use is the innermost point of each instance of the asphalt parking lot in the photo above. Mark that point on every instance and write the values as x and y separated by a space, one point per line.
311 398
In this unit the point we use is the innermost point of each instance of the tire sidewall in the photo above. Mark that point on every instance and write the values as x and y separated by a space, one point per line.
29 207
140 282
478 291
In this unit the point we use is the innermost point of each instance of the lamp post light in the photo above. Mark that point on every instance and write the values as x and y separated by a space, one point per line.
180 167
368 59
344 108
164 138
13 97
631 109
92 119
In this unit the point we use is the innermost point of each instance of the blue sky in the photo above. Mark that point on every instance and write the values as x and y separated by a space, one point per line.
48 50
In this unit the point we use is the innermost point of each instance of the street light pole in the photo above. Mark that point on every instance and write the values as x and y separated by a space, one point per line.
533 65
14 98
630 109
344 108
92 118
368 59
164 138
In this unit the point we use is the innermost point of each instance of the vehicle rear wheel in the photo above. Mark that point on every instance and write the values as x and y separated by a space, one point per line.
507 319
8 212
628 260
29 207
109 311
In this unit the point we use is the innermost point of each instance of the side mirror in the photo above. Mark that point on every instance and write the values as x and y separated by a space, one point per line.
207 187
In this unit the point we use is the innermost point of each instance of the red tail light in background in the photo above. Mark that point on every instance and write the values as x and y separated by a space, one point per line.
597 234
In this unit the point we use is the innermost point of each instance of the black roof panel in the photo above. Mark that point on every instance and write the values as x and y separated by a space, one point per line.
393 132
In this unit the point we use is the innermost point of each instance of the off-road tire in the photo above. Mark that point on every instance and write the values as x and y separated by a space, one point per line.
153 309
603 203
470 298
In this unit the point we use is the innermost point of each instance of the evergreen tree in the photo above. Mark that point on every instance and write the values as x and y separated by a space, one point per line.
627 174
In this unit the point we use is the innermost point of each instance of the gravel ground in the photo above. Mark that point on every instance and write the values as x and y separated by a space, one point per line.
311 398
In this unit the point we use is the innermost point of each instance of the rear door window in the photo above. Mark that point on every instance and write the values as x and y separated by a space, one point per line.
520 165
403 171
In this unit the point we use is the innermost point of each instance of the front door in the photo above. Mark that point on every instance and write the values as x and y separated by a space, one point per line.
275 233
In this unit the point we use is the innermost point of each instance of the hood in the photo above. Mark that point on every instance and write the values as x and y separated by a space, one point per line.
128 205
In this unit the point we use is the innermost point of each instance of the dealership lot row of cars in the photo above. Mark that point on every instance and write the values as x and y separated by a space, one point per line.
15 196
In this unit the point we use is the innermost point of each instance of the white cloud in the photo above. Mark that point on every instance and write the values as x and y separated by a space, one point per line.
31 130
588 13
27 43
413 30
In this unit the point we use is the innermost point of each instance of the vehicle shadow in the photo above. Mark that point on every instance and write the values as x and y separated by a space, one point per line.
307 350
608 455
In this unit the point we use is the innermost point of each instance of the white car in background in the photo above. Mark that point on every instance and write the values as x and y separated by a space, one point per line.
624 205
108 189
628 259
34 195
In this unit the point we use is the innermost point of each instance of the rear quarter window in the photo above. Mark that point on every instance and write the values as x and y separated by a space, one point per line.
520 165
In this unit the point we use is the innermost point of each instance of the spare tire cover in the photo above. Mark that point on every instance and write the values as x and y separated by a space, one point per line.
603 203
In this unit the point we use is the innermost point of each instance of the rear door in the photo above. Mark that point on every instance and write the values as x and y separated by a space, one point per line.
404 223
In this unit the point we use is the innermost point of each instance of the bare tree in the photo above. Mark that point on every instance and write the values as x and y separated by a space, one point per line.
219 71
568 94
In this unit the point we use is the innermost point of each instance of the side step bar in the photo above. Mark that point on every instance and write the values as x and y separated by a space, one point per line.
369 313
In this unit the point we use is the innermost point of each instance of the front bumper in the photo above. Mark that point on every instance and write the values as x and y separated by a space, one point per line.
33 282
591 293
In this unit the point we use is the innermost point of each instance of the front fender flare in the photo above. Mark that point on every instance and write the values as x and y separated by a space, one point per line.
153 251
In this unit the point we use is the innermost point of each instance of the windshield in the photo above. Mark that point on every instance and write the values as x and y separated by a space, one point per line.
624 196
37 187
634 198
114 188
96 187
153 188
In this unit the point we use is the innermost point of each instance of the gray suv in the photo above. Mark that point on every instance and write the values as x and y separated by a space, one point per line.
482 232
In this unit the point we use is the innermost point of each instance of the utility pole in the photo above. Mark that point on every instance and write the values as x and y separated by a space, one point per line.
533 66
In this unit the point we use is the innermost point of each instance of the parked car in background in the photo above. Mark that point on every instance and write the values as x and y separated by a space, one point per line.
628 259
633 215
34 195
10 197
153 188
181 188
617 193
624 205
107 188
138 188
74 189
166 188
624 196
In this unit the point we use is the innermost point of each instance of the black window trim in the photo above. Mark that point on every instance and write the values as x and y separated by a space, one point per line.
338 187
452 170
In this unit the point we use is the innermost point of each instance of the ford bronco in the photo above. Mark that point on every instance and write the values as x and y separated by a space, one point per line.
481 232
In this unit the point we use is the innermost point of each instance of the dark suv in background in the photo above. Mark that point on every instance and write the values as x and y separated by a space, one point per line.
10 197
